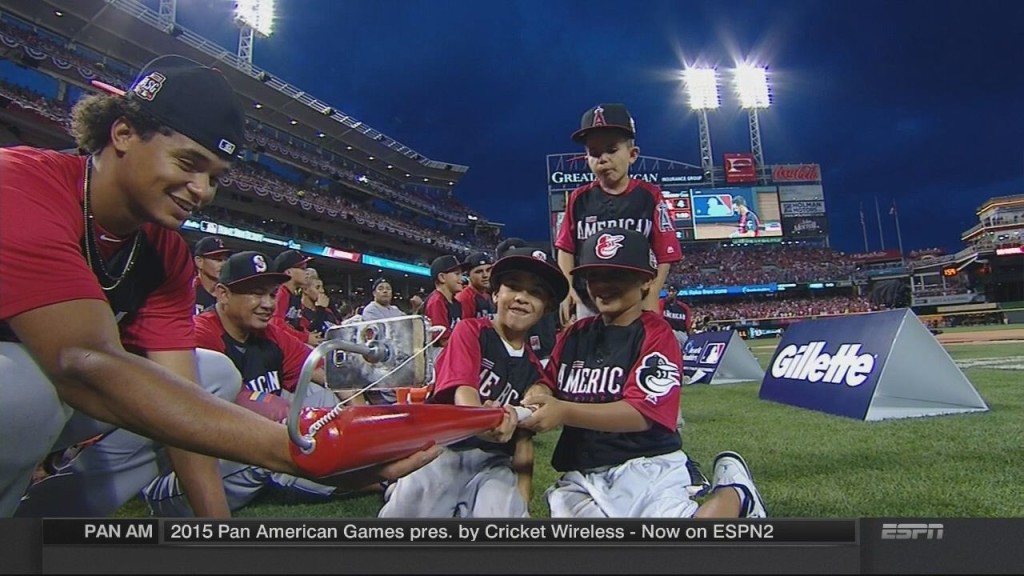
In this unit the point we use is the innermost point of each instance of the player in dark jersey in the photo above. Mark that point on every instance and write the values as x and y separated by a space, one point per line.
288 309
615 390
441 307
100 339
613 199
486 360
678 314
750 224
475 297
543 334
269 360
210 254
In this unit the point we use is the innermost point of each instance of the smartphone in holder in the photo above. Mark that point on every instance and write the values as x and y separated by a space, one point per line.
406 364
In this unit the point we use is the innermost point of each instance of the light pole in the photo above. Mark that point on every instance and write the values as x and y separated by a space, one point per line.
254 17
754 94
702 89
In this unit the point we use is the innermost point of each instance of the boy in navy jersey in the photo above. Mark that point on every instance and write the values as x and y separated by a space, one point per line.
487 361
615 381
613 199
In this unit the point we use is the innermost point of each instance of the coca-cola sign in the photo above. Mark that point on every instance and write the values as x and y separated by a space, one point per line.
796 173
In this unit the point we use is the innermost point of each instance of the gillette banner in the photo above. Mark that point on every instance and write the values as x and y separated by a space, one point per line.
868 367
719 358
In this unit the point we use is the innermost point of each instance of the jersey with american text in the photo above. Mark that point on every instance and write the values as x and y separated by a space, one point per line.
640 364
476 356
678 315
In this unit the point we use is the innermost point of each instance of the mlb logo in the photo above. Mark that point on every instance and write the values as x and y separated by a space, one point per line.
535 343
712 353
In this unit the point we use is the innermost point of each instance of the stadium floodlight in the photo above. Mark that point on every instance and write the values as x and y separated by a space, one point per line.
256 14
702 87
752 87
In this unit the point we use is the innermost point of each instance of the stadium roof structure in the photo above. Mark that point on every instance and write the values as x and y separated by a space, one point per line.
128 31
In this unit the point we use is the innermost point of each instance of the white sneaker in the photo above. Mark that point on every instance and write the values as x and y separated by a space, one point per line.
731 470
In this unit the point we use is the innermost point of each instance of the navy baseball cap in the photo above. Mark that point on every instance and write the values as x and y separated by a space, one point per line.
446 263
290 259
603 117
189 98
534 261
617 248
211 246
508 244
477 259
248 267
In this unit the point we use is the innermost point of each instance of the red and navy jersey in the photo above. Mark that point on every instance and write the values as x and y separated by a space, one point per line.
476 356
749 222
42 258
204 300
288 313
590 209
314 319
640 364
269 360
542 335
476 304
678 315
441 312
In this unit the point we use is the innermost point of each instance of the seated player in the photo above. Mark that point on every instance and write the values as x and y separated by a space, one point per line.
269 359
615 381
487 360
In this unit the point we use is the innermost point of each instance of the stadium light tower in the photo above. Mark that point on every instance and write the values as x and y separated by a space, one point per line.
752 89
168 9
254 17
702 88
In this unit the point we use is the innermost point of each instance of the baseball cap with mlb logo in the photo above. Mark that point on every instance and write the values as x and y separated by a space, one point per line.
617 248
189 98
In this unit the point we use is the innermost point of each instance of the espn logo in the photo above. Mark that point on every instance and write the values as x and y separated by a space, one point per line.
912 531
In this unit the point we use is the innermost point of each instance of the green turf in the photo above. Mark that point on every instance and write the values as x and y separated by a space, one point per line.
809 464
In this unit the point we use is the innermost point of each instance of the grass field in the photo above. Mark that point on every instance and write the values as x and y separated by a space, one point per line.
809 464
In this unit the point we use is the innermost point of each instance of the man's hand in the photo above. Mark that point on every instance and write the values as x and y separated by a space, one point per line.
567 310
314 339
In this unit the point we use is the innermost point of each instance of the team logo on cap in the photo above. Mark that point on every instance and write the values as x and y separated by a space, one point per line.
540 255
259 264
608 245
656 376
598 117
148 87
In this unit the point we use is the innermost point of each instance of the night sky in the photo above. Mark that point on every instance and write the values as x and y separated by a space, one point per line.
915 102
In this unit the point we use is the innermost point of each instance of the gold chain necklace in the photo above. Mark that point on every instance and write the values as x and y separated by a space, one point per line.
90 242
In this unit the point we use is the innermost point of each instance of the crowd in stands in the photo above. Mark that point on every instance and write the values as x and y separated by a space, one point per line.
759 264
781 308
436 203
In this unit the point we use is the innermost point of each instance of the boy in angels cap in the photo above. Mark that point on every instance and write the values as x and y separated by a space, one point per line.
615 381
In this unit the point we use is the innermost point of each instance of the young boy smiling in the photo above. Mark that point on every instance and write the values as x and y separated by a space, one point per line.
615 381
487 362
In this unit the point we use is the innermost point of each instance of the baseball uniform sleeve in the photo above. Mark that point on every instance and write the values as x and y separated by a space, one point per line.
436 309
663 237
467 298
565 241
41 223
459 363
209 332
295 354
653 382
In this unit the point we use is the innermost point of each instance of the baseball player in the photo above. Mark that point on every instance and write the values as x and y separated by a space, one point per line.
486 360
750 224
613 199
210 254
475 298
100 339
678 314
542 336
269 360
615 381
288 309
441 306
